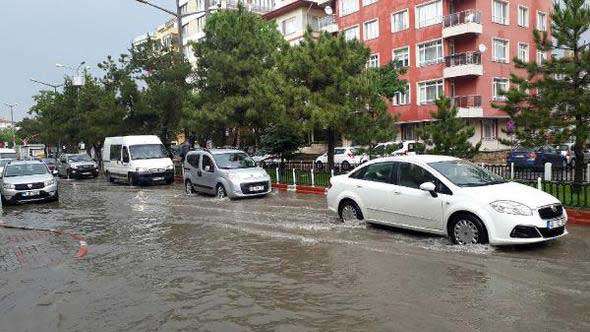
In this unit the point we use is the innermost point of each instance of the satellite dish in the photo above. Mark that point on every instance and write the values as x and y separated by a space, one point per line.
328 10
482 48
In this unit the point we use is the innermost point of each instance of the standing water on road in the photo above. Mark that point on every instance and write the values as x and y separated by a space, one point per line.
159 260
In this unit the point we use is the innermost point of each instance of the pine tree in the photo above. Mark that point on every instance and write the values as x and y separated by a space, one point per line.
447 134
553 101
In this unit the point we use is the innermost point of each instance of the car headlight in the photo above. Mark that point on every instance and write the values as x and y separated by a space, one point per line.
233 176
8 186
169 167
50 182
142 169
511 207
74 167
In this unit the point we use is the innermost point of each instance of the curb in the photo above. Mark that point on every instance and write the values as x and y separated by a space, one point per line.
575 216
82 250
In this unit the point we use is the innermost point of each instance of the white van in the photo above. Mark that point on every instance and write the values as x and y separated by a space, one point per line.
7 153
137 160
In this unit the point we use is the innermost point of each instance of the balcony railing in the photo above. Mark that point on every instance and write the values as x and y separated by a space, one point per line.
257 7
460 59
466 16
466 101
322 22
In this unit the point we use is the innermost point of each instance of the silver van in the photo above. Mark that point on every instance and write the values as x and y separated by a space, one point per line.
224 172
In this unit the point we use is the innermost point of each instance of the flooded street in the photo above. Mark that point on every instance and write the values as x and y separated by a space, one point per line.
159 260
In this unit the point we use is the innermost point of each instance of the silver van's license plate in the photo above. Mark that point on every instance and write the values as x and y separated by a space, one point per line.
31 193
257 188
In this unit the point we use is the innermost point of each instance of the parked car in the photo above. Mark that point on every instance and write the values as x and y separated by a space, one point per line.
28 181
51 163
536 157
394 148
76 166
224 172
6 153
446 196
3 163
346 157
567 151
263 157
137 160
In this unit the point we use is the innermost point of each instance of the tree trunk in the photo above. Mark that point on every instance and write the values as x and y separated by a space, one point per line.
331 142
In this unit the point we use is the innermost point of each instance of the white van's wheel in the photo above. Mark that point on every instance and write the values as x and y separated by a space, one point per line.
188 188
220 191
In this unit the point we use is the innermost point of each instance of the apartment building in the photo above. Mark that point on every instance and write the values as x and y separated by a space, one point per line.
166 35
193 25
461 49
294 17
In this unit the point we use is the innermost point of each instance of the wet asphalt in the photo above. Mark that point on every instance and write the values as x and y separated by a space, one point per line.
161 261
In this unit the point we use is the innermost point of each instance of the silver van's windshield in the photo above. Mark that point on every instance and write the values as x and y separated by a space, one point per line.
25 169
234 160
147 151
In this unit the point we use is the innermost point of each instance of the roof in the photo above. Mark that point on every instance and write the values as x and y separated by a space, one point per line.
23 162
290 7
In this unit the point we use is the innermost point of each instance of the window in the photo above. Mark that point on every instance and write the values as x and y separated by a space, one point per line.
371 29
401 57
541 21
288 26
373 61
185 30
368 2
402 97
523 52
523 16
339 151
488 128
208 162
429 53
499 85
429 14
193 160
125 155
430 91
541 57
500 50
500 12
184 9
399 21
115 152
348 6
351 33
409 131
380 172
412 176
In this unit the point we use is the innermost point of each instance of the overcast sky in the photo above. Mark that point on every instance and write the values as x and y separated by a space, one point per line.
37 34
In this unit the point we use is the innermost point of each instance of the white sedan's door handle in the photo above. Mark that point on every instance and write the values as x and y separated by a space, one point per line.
395 192
358 186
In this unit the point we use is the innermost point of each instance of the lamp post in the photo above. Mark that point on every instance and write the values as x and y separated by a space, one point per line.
179 16
54 86
12 106
76 69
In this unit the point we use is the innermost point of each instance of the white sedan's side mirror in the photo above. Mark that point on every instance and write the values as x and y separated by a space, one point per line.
430 187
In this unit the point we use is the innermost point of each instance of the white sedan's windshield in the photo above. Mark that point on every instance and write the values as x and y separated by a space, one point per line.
465 174
234 160
25 169
147 151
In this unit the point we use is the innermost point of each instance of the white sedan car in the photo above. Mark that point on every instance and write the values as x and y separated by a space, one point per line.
446 196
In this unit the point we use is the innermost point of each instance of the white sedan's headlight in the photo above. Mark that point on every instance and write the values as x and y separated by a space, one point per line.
50 182
142 169
8 186
511 207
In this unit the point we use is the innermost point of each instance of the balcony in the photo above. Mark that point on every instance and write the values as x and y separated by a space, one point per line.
468 106
463 64
460 23
326 23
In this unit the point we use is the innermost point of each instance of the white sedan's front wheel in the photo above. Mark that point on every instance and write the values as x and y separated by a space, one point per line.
467 229
350 213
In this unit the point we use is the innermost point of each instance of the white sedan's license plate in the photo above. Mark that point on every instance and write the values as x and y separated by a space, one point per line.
256 188
555 223
30 193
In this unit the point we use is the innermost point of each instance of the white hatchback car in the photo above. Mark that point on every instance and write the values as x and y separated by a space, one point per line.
446 196
346 157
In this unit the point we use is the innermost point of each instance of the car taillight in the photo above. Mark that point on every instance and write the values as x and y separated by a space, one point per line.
532 156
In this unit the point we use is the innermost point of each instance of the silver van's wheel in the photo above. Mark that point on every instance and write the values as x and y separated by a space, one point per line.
188 188
350 213
220 191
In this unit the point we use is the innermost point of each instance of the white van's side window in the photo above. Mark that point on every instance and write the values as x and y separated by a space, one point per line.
115 152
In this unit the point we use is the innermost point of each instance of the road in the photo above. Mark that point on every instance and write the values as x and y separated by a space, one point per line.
159 260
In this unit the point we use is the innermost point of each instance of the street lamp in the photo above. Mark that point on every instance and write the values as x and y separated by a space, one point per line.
78 80
54 86
179 16
12 106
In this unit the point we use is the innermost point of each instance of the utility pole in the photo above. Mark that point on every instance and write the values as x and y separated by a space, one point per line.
12 106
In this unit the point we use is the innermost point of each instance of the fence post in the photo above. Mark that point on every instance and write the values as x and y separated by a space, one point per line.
332 172
539 183
547 175
277 174
294 180
588 172
312 178
512 171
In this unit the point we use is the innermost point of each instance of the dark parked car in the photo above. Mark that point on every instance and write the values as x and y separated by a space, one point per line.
77 166
537 157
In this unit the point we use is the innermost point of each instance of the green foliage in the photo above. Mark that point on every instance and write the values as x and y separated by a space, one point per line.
282 139
447 134
552 103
